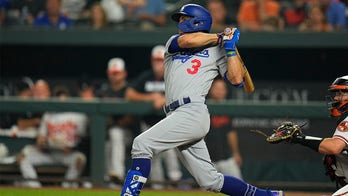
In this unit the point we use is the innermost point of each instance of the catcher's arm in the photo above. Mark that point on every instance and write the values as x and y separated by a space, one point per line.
292 133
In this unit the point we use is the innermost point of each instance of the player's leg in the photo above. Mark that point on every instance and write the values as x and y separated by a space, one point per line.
117 155
157 172
30 157
166 134
208 177
76 162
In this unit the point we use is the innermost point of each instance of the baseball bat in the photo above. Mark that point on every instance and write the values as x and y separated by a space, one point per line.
248 82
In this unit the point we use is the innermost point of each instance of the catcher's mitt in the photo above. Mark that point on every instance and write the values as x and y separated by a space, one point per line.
287 131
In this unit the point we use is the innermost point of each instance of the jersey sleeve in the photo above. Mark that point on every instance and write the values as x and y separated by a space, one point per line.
342 131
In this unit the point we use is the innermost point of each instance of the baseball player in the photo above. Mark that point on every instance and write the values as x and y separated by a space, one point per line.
59 135
193 58
334 148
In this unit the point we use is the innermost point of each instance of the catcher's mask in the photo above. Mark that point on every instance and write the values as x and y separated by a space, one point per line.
338 88
201 19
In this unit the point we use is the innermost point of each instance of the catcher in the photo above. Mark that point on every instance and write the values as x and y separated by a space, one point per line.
335 148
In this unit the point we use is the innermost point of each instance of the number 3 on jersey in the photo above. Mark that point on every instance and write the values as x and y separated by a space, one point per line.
194 68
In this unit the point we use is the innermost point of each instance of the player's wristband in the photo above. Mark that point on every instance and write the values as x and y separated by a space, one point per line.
311 142
231 53
230 83
219 38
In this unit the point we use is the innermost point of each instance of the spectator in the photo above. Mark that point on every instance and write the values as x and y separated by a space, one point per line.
98 18
53 17
31 120
153 14
4 6
28 10
218 12
74 9
114 11
335 12
130 7
315 21
149 86
225 155
253 14
118 125
86 88
59 135
294 14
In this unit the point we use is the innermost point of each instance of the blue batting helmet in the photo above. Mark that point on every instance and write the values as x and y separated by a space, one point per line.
201 19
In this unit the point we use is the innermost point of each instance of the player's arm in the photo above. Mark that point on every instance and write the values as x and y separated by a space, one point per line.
134 95
158 99
235 70
23 123
190 41
197 40
332 146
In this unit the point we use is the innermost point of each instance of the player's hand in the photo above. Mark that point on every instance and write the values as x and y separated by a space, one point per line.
230 40
41 141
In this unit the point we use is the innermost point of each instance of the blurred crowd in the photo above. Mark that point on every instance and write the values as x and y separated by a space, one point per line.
248 15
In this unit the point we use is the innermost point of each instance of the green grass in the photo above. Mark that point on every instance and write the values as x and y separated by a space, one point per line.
93 192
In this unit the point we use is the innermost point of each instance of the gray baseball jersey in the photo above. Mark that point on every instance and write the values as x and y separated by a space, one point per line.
192 74
186 75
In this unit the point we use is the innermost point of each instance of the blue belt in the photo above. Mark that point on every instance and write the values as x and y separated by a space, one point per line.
174 105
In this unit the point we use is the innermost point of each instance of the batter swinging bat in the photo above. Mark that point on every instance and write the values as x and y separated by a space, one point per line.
248 82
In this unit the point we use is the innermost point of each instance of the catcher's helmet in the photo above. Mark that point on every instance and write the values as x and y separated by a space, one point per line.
338 107
201 19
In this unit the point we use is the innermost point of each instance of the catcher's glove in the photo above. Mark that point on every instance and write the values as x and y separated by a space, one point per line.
287 131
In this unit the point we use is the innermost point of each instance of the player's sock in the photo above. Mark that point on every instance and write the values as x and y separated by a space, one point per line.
235 186
136 177
142 165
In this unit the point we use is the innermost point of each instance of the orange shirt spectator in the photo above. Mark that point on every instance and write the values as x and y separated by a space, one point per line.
252 12
316 20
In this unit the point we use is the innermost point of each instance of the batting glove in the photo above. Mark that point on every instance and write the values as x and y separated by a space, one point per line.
230 40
